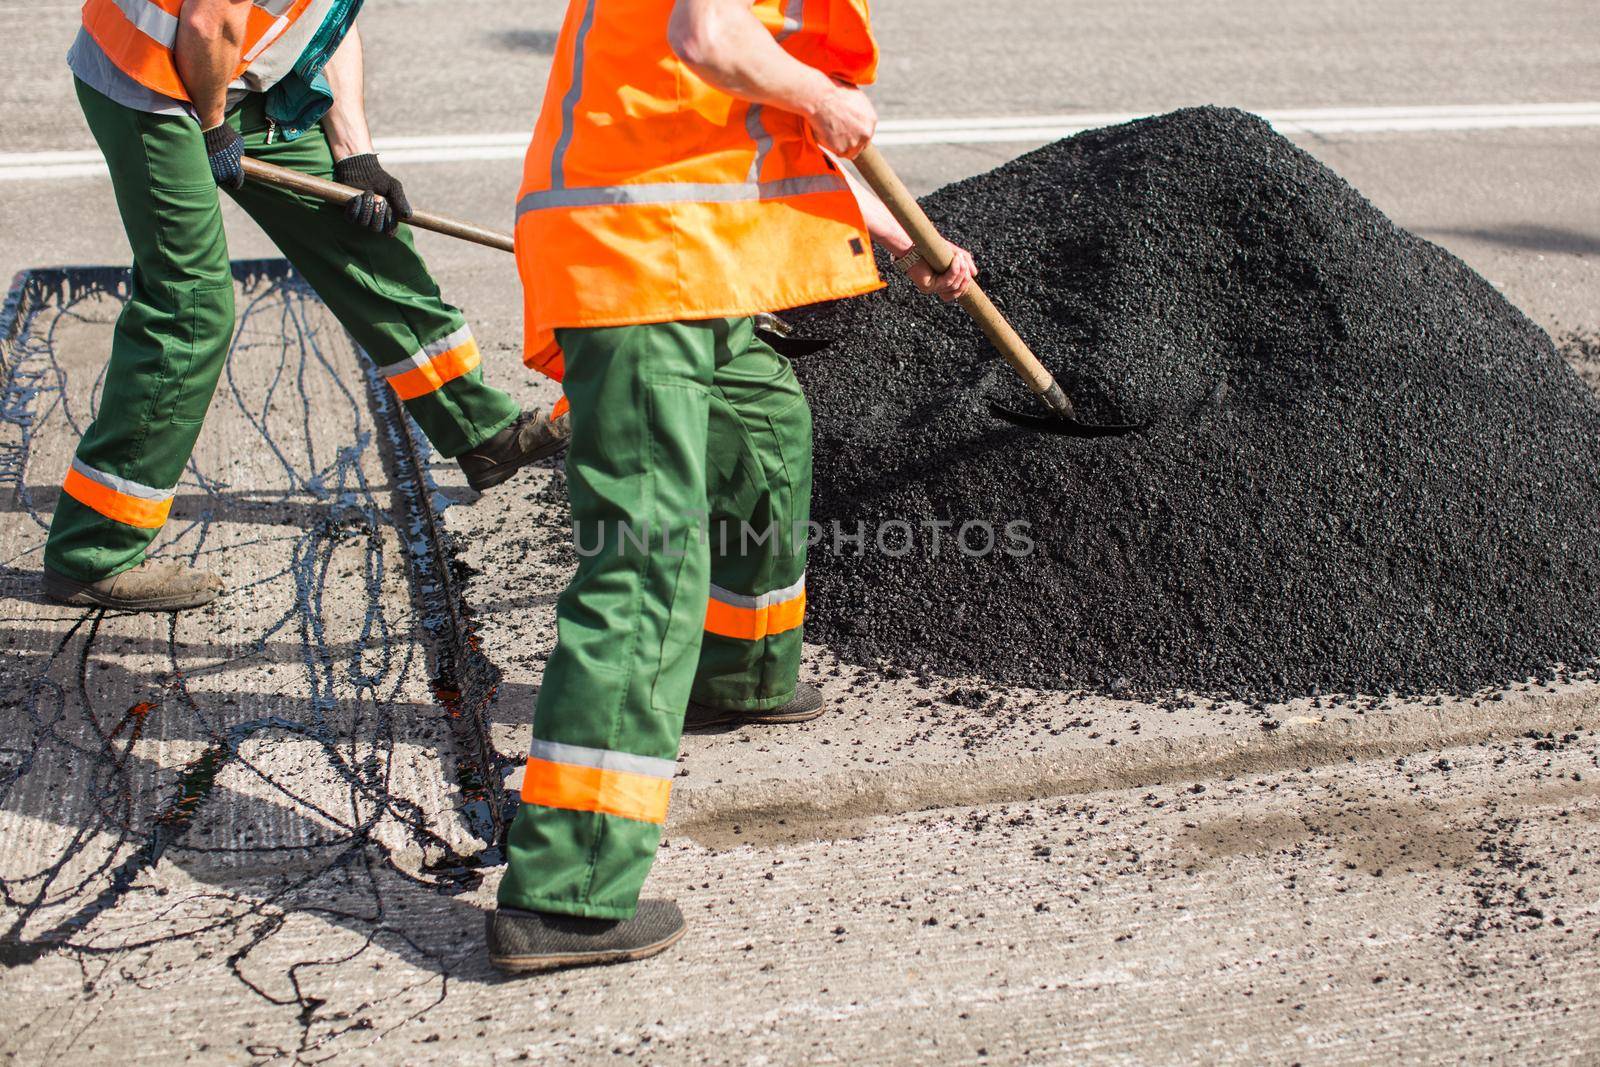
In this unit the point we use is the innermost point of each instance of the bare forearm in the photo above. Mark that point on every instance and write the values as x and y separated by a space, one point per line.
881 223
206 51
346 121
723 42
887 232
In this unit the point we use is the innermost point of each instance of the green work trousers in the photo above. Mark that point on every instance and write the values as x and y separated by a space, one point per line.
689 473
173 336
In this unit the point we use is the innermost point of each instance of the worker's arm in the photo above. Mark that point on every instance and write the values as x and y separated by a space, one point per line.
206 51
723 42
382 203
887 232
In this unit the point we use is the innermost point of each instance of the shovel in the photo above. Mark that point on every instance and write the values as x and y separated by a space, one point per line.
773 329
936 252
335 193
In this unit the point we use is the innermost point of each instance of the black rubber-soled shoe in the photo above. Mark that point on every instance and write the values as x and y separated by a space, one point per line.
805 705
531 438
525 941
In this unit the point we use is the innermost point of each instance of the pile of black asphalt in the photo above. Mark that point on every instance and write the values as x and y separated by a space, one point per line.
1367 471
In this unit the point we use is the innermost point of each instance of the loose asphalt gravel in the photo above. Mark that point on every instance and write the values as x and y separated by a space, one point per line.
1368 472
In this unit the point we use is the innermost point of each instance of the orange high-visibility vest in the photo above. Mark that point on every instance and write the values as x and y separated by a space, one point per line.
138 36
650 196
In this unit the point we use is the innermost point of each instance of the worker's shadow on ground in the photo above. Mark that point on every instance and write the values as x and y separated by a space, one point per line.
286 807
514 703
540 42
220 506
1528 237
22 583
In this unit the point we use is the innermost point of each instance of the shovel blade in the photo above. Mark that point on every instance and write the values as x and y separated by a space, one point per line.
1062 426
780 335
793 347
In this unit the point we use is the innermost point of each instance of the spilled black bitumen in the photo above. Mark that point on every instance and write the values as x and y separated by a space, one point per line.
1368 472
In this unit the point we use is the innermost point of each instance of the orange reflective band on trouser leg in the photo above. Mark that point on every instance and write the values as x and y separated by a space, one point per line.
750 618
117 498
590 779
439 362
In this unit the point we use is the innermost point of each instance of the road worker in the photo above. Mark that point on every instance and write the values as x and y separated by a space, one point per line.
679 181
176 92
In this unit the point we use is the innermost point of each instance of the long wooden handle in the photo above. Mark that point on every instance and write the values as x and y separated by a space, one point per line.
333 192
936 251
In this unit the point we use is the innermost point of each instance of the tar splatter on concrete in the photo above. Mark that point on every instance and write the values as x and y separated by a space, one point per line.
1368 472
300 752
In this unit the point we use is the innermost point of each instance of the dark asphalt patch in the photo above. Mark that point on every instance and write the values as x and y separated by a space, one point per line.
1368 471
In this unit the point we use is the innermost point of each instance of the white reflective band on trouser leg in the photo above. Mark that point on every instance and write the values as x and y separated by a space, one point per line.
765 600
118 499
751 618
602 759
575 778
433 365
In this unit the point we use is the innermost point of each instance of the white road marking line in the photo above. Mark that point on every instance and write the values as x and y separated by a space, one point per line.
1311 121
455 148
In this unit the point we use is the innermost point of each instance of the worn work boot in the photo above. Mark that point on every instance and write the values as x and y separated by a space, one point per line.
805 706
532 437
154 585
543 941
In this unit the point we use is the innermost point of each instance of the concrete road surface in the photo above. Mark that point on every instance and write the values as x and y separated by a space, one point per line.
265 832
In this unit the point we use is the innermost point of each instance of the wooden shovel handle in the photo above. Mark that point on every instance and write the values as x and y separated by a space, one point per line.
936 251
335 193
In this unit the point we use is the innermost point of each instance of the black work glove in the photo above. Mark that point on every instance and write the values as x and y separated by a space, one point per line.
225 153
382 204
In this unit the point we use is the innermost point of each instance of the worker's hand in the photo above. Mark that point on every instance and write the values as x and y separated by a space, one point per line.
843 120
382 204
225 153
952 284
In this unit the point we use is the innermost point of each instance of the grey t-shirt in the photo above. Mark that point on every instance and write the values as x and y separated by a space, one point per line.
91 65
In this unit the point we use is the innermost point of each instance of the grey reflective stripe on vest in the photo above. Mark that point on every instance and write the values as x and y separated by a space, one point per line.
603 759
155 22
757 129
569 103
161 26
281 25
560 196
754 122
679 193
279 50
794 14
